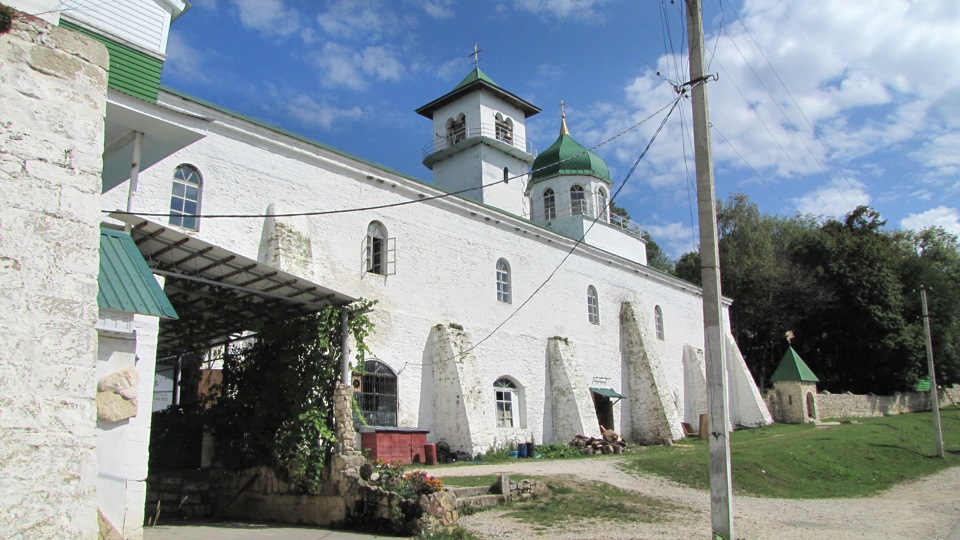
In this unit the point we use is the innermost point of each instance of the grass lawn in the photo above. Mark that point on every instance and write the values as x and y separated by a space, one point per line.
807 462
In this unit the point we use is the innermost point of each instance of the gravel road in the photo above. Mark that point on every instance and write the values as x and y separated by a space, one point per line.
927 508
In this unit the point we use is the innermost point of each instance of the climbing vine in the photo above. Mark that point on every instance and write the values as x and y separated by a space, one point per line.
274 406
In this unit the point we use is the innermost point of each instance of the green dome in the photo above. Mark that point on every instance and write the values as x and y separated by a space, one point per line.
568 157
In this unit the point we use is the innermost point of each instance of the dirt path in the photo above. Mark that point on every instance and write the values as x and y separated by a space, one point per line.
928 508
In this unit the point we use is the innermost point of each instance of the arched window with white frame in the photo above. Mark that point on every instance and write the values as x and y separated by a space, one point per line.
503 128
185 198
658 322
549 205
376 252
457 129
503 281
593 305
602 204
578 201
507 397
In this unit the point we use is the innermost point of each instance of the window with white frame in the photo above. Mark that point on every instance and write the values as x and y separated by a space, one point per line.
549 205
658 321
593 305
185 199
504 129
578 202
376 254
508 404
602 204
503 281
376 393
457 129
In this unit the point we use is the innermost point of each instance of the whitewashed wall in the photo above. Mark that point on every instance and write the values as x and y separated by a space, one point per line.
445 265
49 244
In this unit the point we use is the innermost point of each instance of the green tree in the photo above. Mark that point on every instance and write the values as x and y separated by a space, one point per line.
275 404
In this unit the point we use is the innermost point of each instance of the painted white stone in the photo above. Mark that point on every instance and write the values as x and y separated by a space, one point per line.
746 405
52 137
572 413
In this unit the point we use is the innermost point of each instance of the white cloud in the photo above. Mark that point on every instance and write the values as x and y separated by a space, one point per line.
834 200
366 20
438 9
344 66
272 17
310 112
941 216
860 72
184 62
673 238
557 8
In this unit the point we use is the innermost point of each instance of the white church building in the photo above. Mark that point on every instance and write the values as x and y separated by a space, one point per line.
458 348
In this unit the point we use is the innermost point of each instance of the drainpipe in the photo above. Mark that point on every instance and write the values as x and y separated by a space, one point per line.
134 172
345 345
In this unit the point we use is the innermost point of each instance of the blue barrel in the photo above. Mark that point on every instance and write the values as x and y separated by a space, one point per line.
522 450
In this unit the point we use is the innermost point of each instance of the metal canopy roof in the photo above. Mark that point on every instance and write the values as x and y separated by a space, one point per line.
606 392
217 293
125 282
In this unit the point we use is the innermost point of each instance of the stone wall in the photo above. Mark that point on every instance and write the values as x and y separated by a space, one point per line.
858 405
53 86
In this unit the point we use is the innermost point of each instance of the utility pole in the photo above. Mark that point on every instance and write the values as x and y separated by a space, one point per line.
721 488
934 400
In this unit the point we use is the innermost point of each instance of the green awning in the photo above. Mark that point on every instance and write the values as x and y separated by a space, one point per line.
126 282
607 392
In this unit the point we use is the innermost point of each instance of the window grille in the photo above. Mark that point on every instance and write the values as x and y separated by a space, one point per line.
377 395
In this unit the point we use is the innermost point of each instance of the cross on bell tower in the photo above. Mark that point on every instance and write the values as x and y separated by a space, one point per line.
476 56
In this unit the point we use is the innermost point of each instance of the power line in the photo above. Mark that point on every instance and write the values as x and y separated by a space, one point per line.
569 252
392 205
747 163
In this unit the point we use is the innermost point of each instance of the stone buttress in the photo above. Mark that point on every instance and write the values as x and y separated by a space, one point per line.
571 410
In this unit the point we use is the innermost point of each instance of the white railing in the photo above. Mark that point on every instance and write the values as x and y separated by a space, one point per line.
487 130
562 210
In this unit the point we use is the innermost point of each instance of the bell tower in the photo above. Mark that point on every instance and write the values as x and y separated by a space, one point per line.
479 141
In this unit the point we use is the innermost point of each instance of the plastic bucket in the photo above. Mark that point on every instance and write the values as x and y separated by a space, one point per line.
513 453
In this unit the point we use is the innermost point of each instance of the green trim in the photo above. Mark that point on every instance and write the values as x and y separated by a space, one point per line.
125 281
131 71
793 368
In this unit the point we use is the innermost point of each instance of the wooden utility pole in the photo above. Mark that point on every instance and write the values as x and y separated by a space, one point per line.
721 488
934 399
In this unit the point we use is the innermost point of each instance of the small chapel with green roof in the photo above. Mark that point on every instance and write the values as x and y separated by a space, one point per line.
794 399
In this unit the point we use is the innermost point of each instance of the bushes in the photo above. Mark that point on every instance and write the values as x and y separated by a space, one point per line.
390 477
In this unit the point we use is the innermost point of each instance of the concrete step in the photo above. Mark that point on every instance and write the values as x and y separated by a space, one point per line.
480 501
461 492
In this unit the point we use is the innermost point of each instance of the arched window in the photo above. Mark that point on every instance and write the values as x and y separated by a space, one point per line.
578 204
376 393
457 129
376 256
185 199
508 404
504 129
593 305
602 204
658 321
503 281
549 205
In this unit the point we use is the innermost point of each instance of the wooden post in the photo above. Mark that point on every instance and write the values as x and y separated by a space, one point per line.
721 488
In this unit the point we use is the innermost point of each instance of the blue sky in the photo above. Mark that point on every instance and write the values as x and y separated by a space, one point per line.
819 106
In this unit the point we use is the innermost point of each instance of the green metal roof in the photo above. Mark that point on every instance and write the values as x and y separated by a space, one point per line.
606 392
568 157
131 71
477 80
792 368
126 282
474 76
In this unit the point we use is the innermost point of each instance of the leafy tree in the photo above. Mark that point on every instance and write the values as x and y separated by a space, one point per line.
656 257
275 404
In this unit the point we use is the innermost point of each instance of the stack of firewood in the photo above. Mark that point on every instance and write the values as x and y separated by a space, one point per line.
611 443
